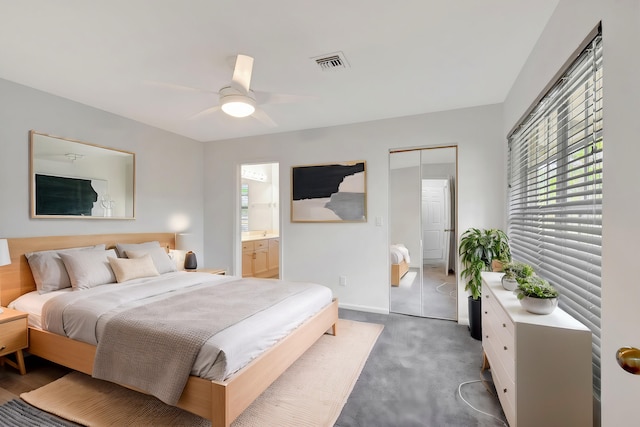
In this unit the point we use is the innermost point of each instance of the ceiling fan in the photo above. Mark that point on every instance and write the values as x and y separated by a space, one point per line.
237 99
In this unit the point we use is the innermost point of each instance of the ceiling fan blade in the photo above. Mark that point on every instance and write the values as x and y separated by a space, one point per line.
280 98
242 72
205 112
175 86
263 118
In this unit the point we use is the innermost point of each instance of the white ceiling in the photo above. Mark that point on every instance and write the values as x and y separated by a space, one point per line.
406 57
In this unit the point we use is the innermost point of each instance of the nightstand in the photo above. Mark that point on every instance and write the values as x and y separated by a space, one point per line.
13 337
220 271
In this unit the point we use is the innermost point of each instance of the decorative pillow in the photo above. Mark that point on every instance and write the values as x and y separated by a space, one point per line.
88 269
49 271
135 268
160 258
123 247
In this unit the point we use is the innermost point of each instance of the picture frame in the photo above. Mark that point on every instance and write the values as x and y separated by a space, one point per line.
329 192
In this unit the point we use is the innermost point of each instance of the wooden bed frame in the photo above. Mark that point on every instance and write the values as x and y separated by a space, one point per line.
219 401
398 271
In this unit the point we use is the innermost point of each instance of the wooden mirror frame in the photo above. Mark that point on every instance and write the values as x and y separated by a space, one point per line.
107 173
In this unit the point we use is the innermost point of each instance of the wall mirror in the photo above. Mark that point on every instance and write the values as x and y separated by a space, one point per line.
74 179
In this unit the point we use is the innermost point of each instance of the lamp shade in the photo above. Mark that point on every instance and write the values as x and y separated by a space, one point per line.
5 256
185 241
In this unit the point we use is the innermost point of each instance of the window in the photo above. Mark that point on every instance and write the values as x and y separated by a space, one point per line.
555 190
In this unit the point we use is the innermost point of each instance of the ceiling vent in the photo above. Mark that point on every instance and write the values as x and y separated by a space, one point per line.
332 61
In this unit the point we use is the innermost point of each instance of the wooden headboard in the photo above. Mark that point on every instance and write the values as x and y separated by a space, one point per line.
16 278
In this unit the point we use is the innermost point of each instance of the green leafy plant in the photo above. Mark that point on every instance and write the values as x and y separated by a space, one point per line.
477 249
517 271
535 287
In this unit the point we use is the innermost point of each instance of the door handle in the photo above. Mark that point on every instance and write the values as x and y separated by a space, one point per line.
448 229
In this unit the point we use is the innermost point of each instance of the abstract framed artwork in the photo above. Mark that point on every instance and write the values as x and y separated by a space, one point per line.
330 192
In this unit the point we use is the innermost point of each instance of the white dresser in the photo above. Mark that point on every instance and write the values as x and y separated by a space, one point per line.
541 364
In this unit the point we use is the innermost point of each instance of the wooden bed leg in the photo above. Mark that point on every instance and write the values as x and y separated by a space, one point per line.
219 406
334 329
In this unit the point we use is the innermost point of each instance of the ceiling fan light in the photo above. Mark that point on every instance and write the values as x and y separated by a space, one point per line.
238 105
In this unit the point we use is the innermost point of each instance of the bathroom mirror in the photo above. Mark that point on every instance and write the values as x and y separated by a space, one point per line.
74 179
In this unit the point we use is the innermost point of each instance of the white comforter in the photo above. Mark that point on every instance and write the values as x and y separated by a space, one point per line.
77 315
399 252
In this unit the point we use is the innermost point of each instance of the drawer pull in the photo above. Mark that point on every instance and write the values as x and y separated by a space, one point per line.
505 347
3 347
504 325
504 390
486 312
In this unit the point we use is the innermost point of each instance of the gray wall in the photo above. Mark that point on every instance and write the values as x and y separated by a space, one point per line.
169 168
321 252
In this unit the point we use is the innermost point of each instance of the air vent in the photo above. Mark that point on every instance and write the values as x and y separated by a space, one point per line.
332 61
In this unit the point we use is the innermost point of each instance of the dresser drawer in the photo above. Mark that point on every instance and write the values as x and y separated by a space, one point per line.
248 246
497 334
503 317
13 336
506 390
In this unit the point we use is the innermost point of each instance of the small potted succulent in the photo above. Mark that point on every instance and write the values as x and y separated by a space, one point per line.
513 272
536 295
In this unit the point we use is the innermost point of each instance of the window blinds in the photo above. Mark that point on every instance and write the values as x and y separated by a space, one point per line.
555 191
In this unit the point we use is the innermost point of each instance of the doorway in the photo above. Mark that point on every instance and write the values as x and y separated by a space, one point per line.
260 238
422 217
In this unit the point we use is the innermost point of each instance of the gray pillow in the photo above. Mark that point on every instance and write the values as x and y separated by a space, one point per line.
49 271
88 269
123 247
160 258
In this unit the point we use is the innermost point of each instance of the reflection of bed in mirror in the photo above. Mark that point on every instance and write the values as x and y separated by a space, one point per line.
218 400
400 261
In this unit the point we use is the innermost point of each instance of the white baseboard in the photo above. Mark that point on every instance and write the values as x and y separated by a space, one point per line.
367 309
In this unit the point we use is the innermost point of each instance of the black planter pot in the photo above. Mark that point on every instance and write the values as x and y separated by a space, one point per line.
475 318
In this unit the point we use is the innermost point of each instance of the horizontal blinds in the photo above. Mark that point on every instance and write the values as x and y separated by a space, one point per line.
555 191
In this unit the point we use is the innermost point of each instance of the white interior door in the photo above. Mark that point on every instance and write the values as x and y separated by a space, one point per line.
434 221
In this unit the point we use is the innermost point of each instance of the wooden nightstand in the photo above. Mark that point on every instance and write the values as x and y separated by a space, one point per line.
13 337
220 271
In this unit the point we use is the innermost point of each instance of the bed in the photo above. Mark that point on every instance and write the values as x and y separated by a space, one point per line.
400 260
219 400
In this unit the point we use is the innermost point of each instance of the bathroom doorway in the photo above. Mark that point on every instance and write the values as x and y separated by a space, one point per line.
260 219
422 217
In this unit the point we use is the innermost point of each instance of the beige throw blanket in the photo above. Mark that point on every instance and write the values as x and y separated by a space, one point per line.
153 347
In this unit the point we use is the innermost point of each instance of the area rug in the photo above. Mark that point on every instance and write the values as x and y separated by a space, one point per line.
18 413
311 392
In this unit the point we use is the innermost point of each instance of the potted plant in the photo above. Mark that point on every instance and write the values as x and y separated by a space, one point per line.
515 271
478 248
537 295
500 249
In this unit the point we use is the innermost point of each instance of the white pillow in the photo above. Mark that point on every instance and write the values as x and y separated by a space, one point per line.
49 271
160 258
89 268
135 268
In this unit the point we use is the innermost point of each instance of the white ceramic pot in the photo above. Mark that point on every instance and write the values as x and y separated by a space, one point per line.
539 305
509 284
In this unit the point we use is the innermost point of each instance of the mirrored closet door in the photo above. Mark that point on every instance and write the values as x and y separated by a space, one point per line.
422 232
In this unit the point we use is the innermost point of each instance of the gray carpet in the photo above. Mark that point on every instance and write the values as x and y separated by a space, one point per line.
413 373
18 413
